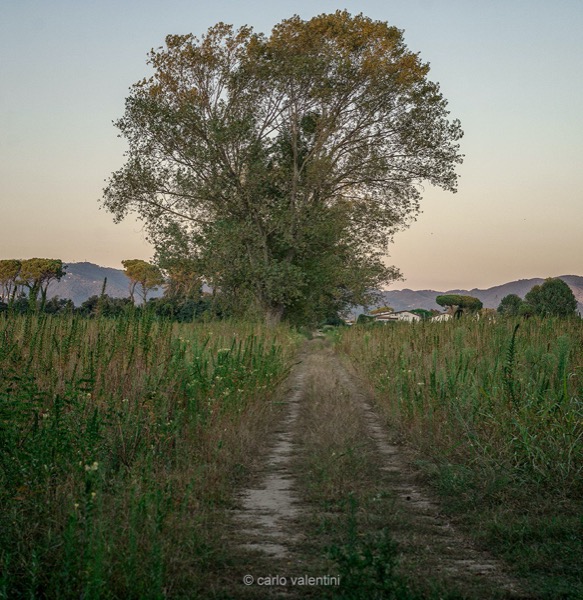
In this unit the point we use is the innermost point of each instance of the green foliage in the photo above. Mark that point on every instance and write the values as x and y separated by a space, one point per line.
424 314
552 298
497 413
367 566
459 303
183 281
510 305
104 306
364 319
455 373
9 270
509 367
282 165
110 449
36 274
144 274
333 321
526 310
186 310
57 305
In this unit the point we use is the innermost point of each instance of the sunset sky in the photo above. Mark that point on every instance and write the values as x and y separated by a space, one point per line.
512 71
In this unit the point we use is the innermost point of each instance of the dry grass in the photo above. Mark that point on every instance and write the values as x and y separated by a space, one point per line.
336 449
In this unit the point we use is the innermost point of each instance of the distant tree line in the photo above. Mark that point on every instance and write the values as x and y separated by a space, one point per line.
553 298
24 286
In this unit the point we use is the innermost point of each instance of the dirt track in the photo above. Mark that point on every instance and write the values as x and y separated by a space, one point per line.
328 407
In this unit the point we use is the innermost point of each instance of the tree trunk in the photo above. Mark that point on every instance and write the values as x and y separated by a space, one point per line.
273 315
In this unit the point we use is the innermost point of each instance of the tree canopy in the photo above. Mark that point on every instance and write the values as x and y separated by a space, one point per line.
143 276
510 305
459 304
283 164
36 274
9 270
552 298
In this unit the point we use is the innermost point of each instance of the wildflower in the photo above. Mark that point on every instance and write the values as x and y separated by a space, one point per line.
92 467
93 494
76 505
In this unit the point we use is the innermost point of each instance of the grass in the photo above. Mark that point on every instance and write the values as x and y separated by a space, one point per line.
120 443
495 411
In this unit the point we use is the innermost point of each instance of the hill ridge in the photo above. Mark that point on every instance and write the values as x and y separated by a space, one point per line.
85 279
406 298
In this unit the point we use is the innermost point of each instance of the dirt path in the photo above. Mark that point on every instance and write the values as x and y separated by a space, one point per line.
332 481
269 507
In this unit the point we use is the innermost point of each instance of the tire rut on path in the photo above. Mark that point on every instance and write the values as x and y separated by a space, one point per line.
451 553
268 509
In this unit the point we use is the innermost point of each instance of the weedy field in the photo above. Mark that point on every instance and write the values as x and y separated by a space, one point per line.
495 412
124 443
120 443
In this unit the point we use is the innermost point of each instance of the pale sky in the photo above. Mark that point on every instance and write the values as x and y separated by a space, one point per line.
512 71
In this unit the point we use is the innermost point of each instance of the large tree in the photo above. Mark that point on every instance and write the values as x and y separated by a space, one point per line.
552 298
285 163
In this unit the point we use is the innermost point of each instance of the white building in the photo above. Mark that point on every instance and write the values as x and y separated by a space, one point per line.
400 315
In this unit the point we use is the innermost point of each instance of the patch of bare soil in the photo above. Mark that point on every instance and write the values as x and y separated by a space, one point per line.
265 525
268 508
328 407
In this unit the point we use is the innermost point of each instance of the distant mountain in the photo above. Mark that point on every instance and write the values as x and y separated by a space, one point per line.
491 297
84 279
